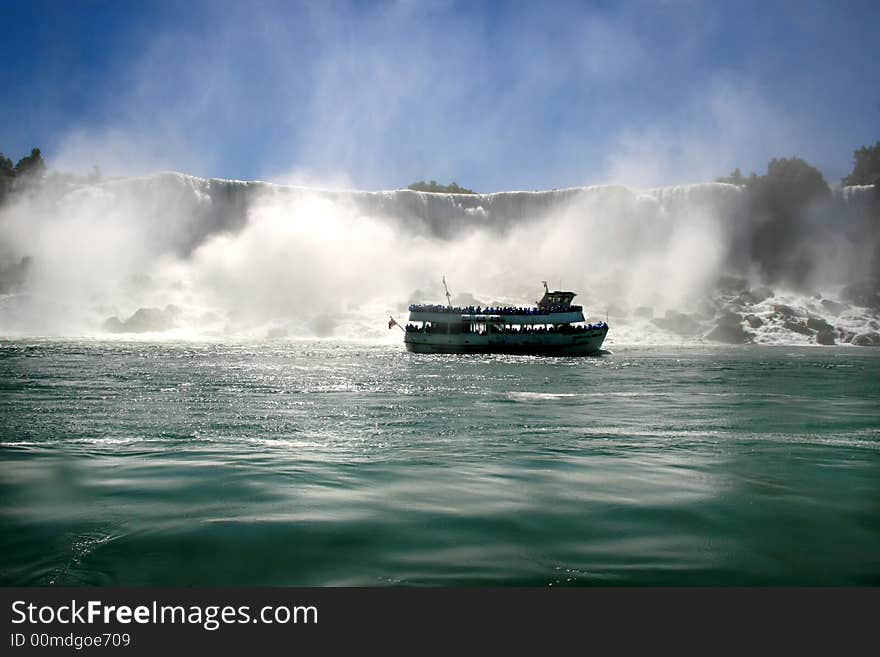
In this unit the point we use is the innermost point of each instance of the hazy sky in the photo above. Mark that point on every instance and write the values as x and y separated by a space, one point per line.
493 95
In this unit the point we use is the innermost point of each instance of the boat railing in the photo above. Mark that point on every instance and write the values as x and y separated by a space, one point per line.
478 310
566 329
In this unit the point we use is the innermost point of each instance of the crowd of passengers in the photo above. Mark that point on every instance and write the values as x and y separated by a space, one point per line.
565 329
477 310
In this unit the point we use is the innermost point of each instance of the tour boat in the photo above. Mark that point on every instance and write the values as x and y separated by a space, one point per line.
553 327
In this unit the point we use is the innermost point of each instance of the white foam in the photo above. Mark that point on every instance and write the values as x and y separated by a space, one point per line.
260 261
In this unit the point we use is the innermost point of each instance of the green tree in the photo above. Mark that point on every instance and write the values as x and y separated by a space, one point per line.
434 186
31 165
735 178
780 201
791 184
6 168
7 175
866 166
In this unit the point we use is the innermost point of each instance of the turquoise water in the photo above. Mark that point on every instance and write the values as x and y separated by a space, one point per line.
321 463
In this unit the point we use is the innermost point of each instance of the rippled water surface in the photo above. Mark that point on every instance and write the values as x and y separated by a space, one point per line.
321 463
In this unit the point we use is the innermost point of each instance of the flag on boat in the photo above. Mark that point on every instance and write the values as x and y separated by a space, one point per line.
392 323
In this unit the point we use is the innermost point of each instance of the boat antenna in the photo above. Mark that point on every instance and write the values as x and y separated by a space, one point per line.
448 299
546 289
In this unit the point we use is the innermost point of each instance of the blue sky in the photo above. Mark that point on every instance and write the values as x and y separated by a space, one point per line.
494 95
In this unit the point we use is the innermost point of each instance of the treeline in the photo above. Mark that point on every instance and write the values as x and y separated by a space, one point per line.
866 166
866 171
434 186
31 170
28 167
779 205
29 164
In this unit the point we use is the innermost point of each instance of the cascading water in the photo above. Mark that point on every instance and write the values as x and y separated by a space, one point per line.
215 257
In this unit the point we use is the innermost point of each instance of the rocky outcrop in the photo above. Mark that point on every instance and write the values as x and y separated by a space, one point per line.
843 335
818 324
730 331
144 320
833 307
784 311
756 295
825 336
678 323
869 339
796 326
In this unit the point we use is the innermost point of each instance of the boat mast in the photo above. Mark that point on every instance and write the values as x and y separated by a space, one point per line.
448 299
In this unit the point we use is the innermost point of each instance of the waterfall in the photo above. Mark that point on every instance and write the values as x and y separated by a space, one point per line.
229 257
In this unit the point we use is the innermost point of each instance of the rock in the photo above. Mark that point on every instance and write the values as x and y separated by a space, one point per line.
738 304
756 295
678 323
833 307
818 324
730 334
729 330
148 319
113 325
707 308
845 336
144 320
869 339
784 311
797 327
644 311
762 293
825 336
754 321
